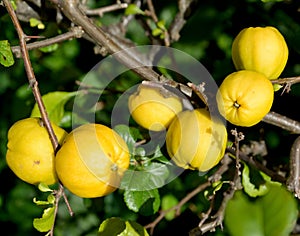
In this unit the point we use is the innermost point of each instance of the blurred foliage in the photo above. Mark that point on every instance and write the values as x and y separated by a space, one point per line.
207 36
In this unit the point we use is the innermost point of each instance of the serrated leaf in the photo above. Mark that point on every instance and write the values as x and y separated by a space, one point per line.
6 56
133 9
150 177
250 188
129 134
45 223
135 200
168 201
54 104
44 187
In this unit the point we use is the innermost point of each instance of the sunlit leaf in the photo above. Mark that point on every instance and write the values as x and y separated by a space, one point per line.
6 56
44 187
40 202
45 223
277 87
157 32
134 229
119 227
133 9
161 24
36 23
112 226
150 177
54 104
51 198
249 187
149 199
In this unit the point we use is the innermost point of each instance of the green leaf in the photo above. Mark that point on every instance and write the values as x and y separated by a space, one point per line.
45 223
6 56
243 217
36 23
280 212
250 188
147 202
150 177
277 87
168 201
50 48
40 202
44 187
134 229
129 134
54 104
274 214
117 227
157 32
112 226
51 198
133 9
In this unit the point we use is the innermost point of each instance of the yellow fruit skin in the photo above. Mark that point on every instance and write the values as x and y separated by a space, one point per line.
245 97
92 161
262 49
195 141
30 154
152 110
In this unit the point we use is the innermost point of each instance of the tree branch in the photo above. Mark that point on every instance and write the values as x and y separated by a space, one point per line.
30 74
75 32
71 9
102 10
293 181
282 122
35 90
212 179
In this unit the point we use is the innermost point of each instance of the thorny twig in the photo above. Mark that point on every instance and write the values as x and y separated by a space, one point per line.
36 92
75 32
235 185
212 179
30 74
